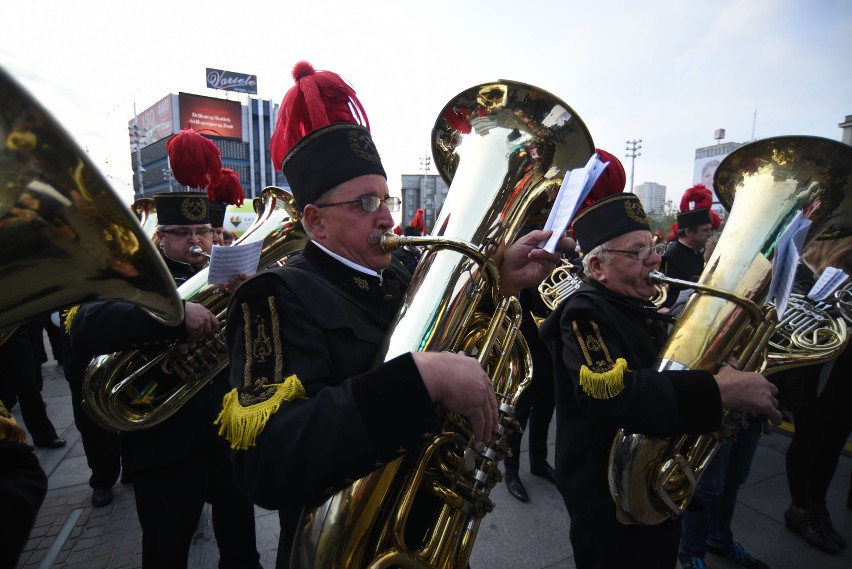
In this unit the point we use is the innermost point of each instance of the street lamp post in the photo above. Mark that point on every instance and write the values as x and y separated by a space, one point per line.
633 147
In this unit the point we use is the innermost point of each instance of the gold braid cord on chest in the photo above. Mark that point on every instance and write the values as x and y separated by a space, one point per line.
600 376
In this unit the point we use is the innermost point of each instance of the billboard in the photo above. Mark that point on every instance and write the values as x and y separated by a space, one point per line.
212 117
231 81
154 123
239 218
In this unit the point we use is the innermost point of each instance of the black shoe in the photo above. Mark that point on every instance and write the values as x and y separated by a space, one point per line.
50 443
737 555
515 486
802 522
547 472
101 497
823 519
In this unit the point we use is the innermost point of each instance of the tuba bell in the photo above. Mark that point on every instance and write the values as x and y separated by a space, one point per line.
504 146
117 388
67 238
652 479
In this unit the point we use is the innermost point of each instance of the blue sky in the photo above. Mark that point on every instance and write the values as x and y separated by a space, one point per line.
670 73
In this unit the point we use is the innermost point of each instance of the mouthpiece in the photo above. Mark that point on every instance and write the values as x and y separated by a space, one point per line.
197 251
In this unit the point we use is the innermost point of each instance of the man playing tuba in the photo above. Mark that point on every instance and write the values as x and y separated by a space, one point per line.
311 411
604 339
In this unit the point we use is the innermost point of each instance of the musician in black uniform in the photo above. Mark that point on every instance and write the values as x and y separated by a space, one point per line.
605 339
180 464
313 411
684 257
23 486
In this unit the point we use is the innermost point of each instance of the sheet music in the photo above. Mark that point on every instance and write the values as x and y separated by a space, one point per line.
575 187
787 253
827 283
227 262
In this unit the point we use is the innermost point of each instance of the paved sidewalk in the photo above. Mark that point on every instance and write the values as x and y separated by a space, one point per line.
71 534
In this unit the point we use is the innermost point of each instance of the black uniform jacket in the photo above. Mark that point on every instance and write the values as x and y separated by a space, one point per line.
681 262
106 327
323 322
649 402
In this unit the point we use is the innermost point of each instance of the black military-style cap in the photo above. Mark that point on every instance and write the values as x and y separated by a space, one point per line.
608 218
182 208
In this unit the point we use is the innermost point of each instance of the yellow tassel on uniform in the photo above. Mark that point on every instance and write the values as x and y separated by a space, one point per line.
241 425
604 385
10 430
69 317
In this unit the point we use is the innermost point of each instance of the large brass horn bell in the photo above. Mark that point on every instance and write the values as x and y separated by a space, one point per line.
66 237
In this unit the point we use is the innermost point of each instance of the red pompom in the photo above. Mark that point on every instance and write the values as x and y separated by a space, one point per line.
229 190
195 160
302 70
611 180
419 220
701 196
318 99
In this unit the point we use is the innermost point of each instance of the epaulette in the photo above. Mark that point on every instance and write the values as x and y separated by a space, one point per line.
246 409
68 316
600 376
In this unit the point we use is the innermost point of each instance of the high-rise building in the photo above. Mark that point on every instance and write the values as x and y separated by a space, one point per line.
653 197
240 131
427 191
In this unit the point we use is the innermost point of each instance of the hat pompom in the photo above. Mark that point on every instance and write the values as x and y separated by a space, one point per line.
195 160
229 190
318 99
419 221
700 195
702 198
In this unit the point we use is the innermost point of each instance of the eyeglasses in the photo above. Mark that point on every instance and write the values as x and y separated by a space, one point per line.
643 253
369 203
184 232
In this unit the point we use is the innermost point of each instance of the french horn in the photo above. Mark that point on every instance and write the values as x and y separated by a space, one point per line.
117 388
67 238
503 146
652 479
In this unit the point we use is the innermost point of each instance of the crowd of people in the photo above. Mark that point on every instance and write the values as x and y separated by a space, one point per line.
307 404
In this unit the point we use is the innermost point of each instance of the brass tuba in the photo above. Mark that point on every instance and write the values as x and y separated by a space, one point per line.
504 146
117 388
66 236
652 479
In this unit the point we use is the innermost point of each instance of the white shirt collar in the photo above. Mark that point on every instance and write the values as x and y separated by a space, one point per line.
350 264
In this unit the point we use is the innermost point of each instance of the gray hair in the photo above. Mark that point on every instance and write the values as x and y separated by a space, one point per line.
602 252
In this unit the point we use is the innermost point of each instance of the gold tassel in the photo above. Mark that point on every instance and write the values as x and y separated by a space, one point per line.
69 317
604 385
10 430
241 425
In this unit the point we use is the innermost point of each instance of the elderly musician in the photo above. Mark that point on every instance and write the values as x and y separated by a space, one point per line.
180 464
604 340
312 409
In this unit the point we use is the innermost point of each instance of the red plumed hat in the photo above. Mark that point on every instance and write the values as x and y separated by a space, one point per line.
318 99
700 197
195 160
229 190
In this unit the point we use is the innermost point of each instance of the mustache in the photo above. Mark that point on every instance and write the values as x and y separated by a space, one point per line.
375 237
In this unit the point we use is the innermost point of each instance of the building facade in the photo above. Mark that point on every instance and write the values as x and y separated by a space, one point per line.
653 197
240 130
422 191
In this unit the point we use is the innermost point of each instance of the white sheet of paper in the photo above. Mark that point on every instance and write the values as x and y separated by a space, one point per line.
827 283
575 187
227 262
787 253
